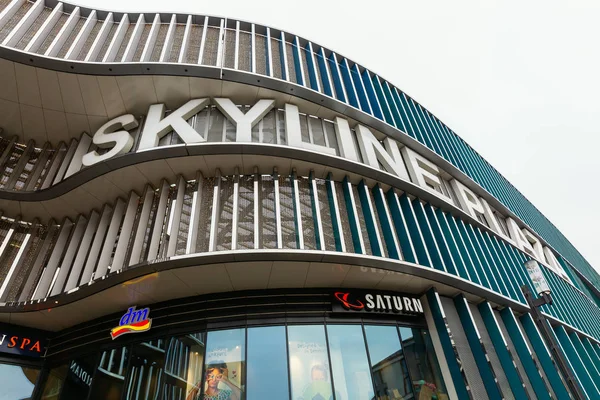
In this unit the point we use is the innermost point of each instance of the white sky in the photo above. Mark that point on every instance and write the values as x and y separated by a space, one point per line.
517 80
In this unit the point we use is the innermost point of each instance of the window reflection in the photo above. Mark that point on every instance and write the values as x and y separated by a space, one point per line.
224 366
54 382
17 382
351 376
147 363
110 375
309 366
267 376
79 378
388 363
422 364
315 362
183 366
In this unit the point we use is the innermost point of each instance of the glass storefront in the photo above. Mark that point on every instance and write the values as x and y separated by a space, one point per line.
296 362
17 382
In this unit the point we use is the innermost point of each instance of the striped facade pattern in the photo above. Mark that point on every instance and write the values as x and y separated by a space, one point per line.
375 222
489 349
94 36
429 236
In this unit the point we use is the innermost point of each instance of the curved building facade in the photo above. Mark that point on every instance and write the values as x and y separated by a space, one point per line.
197 207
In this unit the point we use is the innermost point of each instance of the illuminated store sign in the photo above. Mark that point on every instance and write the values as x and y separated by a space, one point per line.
15 340
376 302
133 321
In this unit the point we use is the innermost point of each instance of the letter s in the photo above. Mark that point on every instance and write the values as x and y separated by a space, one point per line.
369 299
108 136
13 341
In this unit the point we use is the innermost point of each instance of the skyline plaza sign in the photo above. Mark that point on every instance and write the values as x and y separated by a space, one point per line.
357 144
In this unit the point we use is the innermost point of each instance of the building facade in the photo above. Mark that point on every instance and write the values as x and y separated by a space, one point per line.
196 207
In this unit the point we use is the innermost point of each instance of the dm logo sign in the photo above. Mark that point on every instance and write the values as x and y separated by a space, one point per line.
133 321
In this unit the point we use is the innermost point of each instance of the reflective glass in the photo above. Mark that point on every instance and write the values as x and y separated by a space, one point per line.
422 364
224 365
110 375
388 365
351 375
341 362
267 376
54 382
145 377
182 374
79 378
17 382
309 365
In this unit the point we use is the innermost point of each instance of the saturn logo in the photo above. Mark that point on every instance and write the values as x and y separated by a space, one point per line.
344 298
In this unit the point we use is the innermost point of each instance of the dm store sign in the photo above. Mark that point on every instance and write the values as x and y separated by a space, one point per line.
133 321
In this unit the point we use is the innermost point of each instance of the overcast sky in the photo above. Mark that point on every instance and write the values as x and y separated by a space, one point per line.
518 80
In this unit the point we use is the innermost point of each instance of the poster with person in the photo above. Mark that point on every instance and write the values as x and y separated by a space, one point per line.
309 365
223 367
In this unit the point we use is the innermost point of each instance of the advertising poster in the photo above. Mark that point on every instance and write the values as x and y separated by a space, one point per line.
224 363
539 280
309 367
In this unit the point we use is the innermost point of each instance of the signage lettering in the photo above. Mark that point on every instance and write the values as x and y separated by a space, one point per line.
244 122
388 155
377 302
157 125
109 136
80 373
16 340
393 303
22 343
133 321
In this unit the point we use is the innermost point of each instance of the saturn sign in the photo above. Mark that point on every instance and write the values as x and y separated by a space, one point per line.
376 302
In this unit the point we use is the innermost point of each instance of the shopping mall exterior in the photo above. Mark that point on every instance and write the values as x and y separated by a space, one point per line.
198 207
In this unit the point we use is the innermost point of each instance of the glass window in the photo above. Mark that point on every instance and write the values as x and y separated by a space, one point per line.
17 382
267 376
54 382
351 375
110 375
309 366
145 377
79 378
183 366
422 364
388 364
314 362
224 365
